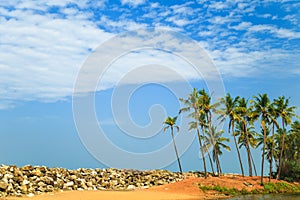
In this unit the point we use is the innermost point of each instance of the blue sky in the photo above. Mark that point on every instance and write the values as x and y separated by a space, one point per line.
254 45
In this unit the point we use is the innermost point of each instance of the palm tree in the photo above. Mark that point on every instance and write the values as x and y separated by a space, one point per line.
207 108
192 102
203 125
247 139
261 105
286 113
274 113
268 146
229 111
291 153
245 114
251 140
170 122
217 145
294 142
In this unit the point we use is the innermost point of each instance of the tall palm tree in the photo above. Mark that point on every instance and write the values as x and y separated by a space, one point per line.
245 114
291 154
274 113
207 108
286 113
192 103
268 145
261 105
251 140
247 139
170 122
295 141
203 126
229 111
217 145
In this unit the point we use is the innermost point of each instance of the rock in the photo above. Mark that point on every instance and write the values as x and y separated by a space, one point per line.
3 186
26 168
50 188
73 177
30 195
69 184
130 187
37 172
23 189
25 182
29 179
41 184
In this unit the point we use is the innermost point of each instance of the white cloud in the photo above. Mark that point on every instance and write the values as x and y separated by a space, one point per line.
41 54
138 58
178 21
242 26
218 5
238 62
205 33
279 32
120 25
292 18
133 3
221 20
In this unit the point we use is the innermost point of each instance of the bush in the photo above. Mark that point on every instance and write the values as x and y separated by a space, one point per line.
290 171
280 187
269 188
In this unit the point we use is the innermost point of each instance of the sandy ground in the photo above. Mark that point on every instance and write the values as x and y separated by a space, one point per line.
187 189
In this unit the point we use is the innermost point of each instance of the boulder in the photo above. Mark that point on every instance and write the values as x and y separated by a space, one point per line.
3 186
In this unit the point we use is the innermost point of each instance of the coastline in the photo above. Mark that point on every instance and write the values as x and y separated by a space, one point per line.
35 182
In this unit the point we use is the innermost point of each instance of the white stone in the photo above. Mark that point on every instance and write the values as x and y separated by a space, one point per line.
130 187
69 184
30 195
26 182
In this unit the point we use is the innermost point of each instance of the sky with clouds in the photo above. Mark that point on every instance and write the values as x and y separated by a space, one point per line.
255 46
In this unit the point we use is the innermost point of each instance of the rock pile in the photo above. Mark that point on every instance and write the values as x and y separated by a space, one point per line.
31 180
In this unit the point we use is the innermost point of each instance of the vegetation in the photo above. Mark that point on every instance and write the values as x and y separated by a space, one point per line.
269 188
255 123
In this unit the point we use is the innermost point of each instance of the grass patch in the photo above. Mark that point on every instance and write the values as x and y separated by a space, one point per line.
279 187
223 190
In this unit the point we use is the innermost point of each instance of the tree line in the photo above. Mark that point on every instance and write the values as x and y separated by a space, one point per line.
278 134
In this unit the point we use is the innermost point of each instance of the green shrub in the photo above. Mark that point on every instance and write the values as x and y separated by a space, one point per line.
290 171
269 188
255 191
244 192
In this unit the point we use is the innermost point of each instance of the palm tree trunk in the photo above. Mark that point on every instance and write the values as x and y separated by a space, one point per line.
176 149
281 151
237 148
270 163
218 166
202 152
208 153
263 156
208 118
253 164
221 173
249 160
211 163
272 153
248 150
